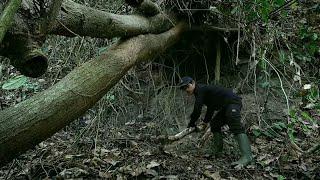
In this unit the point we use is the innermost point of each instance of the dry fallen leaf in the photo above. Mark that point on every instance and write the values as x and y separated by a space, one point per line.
105 175
111 161
152 164
171 177
214 176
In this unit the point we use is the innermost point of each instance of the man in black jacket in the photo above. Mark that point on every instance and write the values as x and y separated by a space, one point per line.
228 105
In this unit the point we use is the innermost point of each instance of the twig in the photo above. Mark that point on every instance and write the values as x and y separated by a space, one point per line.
255 77
313 149
274 11
205 137
294 145
216 28
10 168
75 34
238 44
129 89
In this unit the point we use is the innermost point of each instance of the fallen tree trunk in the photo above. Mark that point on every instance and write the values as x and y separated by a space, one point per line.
65 17
34 120
76 19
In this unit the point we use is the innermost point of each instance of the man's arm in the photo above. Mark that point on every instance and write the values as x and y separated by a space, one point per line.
196 111
209 115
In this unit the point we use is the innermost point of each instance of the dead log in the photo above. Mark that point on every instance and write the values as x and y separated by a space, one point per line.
23 41
76 19
34 120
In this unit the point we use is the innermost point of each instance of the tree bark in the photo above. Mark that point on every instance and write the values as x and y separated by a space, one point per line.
7 17
32 121
22 42
76 19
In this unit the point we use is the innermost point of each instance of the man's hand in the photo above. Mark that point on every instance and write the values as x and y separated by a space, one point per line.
202 126
191 124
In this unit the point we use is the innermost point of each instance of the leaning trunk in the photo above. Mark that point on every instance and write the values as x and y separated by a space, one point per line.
34 120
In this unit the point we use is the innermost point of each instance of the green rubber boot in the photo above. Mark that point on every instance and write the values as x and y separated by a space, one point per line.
217 142
245 149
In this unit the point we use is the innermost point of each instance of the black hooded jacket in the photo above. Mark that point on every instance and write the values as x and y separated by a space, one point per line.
214 97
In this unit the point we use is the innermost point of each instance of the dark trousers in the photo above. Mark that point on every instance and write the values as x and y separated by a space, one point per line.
230 115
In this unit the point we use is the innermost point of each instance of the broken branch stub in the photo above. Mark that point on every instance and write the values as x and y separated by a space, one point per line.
25 55
148 8
22 42
7 16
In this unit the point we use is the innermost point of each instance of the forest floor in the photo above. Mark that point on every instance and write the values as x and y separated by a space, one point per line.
90 148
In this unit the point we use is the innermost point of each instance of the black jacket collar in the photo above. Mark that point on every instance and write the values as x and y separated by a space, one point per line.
196 89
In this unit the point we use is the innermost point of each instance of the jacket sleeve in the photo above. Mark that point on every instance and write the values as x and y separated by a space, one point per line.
196 110
209 115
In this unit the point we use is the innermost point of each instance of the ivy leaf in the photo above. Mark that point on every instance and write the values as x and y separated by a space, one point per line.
315 36
280 177
257 132
102 50
15 83
265 10
235 10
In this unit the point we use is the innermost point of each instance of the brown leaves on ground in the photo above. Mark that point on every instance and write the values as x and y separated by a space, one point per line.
133 152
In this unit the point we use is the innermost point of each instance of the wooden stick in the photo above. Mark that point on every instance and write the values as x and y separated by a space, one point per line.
182 134
186 132
205 137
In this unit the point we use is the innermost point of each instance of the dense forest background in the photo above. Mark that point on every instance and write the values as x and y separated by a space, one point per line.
270 55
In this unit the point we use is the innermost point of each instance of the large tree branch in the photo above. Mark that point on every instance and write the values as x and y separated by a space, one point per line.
32 121
7 17
76 19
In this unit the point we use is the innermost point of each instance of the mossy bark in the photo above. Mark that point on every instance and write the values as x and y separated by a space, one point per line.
22 42
7 16
34 120
76 19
